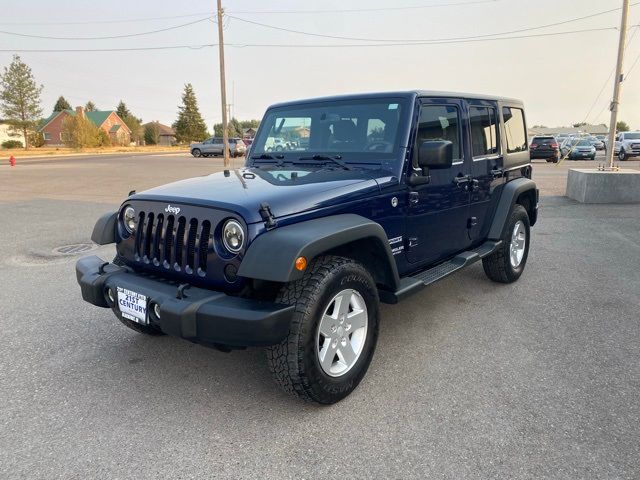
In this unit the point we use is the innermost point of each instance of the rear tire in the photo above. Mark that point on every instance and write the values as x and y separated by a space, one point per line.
333 331
506 264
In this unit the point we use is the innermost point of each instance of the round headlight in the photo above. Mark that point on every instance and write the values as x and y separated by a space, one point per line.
233 236
129 219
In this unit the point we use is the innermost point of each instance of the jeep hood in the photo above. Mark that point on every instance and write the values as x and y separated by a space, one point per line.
287 190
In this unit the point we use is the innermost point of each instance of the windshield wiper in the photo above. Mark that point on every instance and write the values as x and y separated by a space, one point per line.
266 156
279 159
335 159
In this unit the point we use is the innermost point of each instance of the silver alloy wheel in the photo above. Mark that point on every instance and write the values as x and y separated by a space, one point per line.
518 244
622 156
342 332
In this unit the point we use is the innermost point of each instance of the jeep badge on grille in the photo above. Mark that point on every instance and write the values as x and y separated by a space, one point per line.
174 210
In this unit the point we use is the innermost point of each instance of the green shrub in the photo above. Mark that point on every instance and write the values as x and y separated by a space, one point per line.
12 144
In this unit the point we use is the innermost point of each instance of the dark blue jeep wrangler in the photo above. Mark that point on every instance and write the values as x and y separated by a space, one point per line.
371 198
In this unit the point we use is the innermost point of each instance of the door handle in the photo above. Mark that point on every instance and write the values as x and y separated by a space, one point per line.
497 172
462 180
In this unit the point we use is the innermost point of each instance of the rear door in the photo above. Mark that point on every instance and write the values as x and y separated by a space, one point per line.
438 212
486 165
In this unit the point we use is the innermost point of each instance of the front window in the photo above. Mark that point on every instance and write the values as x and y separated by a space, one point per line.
357 129
632 136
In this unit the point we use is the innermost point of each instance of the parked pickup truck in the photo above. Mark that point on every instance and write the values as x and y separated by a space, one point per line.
389 193
627 145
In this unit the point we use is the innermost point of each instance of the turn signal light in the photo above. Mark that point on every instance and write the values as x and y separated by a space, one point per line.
301 263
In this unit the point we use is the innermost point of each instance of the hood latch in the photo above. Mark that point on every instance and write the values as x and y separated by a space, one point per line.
267 216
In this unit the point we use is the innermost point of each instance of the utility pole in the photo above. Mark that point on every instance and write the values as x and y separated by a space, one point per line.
619 78
223 90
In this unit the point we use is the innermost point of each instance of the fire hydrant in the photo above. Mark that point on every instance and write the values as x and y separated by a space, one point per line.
12 161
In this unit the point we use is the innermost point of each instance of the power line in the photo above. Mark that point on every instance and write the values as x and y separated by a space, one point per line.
606 82
110 37
272 45
360 10
123 20
509 32
126 49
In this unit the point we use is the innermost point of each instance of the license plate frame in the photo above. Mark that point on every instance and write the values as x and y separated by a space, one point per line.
133 305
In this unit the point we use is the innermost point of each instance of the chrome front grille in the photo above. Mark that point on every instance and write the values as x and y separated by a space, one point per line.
175 243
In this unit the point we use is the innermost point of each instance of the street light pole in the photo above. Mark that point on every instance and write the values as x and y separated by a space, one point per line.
223 90
617 84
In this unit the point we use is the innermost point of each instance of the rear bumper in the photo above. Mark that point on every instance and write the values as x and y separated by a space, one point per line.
198 315
575 155
544 154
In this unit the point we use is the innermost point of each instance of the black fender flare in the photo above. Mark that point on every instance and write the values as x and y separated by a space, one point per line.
104 231
509 195
272 255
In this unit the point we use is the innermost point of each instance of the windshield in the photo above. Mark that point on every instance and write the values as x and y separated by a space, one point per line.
358 130
584 143
632 136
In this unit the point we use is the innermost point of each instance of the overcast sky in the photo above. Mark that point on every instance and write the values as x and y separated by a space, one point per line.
558 77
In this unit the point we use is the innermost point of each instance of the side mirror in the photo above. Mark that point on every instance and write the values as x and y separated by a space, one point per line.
435 154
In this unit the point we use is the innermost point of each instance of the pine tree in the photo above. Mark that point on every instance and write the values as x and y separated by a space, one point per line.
61 104
90 106
122 110
20 98
190 125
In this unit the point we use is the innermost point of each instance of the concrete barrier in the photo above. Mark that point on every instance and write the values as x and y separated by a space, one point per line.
593 186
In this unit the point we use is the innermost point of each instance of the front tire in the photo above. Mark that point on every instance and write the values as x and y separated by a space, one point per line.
196 152
506 264
333 331
622 156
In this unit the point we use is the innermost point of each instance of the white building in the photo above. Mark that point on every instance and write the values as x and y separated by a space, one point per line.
7 134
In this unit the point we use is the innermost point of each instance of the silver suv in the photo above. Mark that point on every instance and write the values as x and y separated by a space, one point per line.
213 146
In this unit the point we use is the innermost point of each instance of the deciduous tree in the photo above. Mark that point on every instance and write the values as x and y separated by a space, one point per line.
78 132
190 125
134 123
20 98
152 134
234 129
622 126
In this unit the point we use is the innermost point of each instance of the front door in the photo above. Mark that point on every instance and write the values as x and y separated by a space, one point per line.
439 210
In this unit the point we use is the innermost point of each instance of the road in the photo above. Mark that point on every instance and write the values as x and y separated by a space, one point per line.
539 379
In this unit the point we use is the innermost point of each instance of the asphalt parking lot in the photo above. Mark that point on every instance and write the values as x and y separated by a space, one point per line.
539 379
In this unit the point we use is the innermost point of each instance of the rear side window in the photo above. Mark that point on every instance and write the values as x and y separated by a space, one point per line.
440 122
514 129
543 140
483 131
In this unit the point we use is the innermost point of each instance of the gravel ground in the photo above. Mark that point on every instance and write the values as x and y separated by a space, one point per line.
539 379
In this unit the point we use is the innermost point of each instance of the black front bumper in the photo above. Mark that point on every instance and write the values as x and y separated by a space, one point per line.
195 314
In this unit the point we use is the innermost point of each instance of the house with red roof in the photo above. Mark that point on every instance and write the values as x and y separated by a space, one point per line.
107 120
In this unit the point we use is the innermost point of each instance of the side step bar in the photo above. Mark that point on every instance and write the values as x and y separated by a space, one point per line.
417 281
